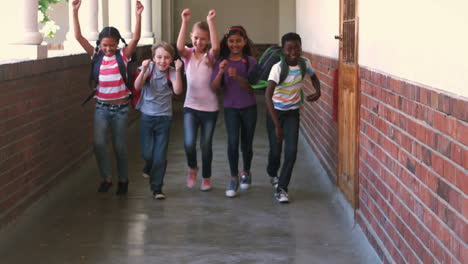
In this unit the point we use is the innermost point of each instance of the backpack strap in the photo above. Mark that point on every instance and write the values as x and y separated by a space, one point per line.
122 68
284 70
97 66
168 77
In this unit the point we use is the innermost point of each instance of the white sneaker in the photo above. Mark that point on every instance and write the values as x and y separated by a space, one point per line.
145 175
231 190
245 180
281 196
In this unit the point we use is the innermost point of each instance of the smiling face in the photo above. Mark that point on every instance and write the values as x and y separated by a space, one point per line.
236 44
200 39
162 58
292 50
109 46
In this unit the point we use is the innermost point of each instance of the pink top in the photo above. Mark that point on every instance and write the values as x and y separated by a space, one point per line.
111 85
199 94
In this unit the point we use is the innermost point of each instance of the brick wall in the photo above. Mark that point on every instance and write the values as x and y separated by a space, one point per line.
44 130
413 182
317 124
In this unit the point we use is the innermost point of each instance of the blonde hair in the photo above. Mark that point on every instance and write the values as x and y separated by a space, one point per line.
166 46
201 25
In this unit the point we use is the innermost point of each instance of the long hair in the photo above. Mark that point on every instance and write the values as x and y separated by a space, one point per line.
248 49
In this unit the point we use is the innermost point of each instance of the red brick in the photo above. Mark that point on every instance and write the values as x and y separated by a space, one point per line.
438 164
449 171
457 154
462 182
443 145
462 133
460 110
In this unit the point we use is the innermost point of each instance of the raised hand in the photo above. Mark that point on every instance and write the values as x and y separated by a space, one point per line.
211 15
76 4
232 72
139 8
145 65
222 66
186 15
178 64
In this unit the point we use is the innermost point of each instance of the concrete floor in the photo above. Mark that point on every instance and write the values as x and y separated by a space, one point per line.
75 224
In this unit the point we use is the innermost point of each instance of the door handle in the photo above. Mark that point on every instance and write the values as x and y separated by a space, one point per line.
340 37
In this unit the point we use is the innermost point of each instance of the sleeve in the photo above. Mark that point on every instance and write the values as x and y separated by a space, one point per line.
275 73
252 63
310 71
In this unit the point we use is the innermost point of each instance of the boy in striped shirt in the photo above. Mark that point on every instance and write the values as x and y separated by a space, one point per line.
283 99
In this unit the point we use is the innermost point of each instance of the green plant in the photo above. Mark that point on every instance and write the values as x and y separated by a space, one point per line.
50 28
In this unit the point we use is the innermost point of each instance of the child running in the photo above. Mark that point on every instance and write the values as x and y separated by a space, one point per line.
201 103
283 99
112 94
158 81
240 107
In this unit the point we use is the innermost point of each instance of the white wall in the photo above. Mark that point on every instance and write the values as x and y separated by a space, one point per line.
317 22
259 17
419 40
287 17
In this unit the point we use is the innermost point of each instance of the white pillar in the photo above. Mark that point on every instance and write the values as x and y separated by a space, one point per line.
120 17
28 20
146 25
24 42
89 23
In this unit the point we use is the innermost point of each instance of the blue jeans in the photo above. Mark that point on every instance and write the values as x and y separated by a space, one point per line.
289 121
193 119
154 139
117 120
243 122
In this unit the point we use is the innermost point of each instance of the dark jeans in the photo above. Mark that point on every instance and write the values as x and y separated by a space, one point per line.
243 122
154 139
193 119
289 121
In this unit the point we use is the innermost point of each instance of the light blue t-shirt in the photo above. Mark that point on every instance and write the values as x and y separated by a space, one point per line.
156 95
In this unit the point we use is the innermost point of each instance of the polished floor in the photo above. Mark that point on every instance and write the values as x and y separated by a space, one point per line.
75 224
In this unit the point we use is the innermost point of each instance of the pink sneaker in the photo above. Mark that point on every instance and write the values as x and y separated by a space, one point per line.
192 177
206 184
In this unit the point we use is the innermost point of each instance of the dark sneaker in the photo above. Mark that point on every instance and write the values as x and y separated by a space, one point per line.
281 196
104 186
245 180
233 186
159 195
122 188
274 181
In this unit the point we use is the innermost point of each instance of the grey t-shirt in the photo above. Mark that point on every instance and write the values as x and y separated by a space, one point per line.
156 95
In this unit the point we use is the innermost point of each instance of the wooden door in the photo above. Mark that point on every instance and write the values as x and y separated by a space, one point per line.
348 102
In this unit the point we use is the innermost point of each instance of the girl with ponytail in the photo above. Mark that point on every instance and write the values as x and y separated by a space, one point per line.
112 96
